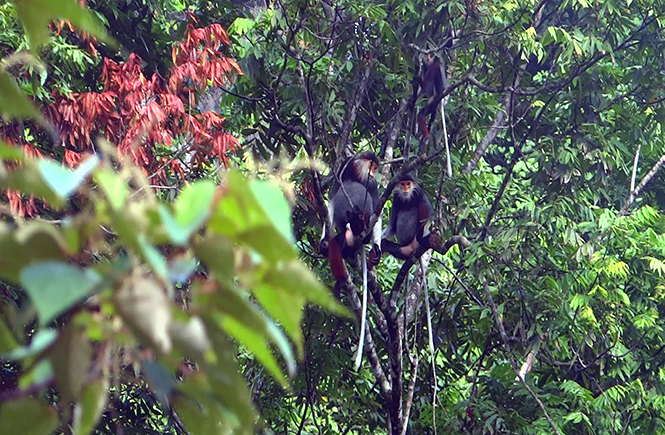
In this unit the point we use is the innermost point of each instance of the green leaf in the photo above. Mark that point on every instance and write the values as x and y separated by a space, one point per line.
244 218
207 418
92 404
40 341
10 152
27 416
27 179
114 187
14 103
40 373
7 341
191 210
71 357
193 206
267 242
36 15
274 204
54 287
217 253
255 343
296 278
64 181
229 301
286 308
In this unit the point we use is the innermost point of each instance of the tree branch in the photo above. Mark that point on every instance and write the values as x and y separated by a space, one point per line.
633 195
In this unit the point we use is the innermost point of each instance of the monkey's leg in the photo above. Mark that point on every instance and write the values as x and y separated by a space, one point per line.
398 251
336 248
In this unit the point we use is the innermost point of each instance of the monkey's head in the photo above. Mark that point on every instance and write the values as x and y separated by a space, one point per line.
406 187
366 165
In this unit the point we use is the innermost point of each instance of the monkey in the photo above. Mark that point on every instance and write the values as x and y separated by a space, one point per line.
432 84
409 217
353 197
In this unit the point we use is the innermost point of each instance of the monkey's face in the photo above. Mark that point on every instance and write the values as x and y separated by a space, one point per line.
406 189
366 168
372 167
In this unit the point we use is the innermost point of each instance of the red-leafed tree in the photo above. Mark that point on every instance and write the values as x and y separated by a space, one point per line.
138 113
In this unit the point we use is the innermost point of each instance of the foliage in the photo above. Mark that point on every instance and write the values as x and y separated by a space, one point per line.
549 321
125 287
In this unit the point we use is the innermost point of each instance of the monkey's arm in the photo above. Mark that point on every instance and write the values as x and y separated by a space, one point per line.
425 210
392 224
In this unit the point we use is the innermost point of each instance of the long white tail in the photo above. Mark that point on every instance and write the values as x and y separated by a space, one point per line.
363 318
449 165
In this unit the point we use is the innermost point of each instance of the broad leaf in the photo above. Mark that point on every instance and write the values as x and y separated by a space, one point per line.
36 15
275 205
27 416
64 181
40 341
13 101
54 287
93 401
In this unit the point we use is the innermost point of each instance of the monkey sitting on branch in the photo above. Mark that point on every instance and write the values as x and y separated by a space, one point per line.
353 197
409 218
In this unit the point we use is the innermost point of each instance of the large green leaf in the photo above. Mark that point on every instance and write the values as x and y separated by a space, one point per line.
240 216
36 15
27 179
275 205
27 416
293 277
54 287
64 181
229 301
40 341
14 103
92 404
32 242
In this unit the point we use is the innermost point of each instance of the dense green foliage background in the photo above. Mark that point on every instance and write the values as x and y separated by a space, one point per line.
554 115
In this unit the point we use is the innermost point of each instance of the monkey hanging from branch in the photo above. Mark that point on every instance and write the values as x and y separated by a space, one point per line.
430 81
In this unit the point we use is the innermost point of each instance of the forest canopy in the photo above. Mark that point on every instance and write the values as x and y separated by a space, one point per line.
165 173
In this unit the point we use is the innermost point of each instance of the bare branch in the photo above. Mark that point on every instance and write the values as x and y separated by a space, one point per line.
633 195
498 125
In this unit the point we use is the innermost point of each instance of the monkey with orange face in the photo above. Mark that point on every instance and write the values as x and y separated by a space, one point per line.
409 216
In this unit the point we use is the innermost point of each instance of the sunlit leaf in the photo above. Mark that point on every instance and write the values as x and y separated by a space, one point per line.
93 402
40 341
64 181
275 205
114 186
36 14
54 287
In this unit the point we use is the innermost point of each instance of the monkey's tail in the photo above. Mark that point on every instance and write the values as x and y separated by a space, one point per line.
430 336
363 316
449 165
